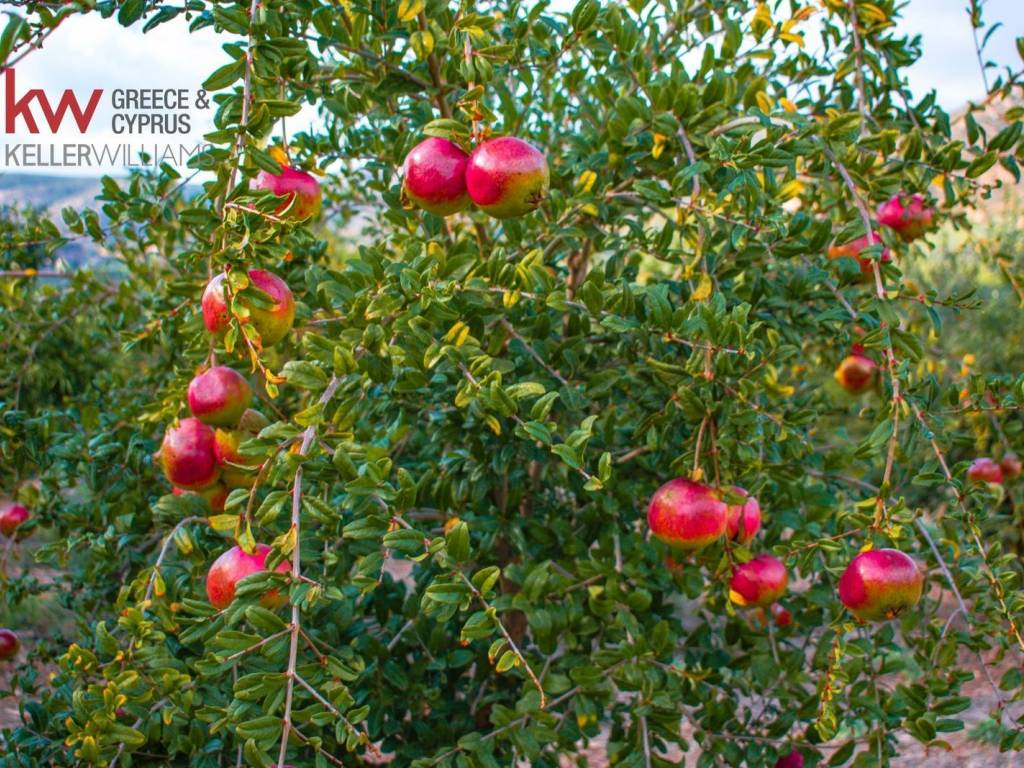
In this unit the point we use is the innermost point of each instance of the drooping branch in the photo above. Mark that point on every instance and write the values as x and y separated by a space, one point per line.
996 584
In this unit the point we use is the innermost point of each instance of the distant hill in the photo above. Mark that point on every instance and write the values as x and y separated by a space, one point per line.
50 192
53 193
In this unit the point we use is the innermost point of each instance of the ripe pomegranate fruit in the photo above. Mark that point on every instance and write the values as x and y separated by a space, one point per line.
853 249
1011 466
686 515
225 448
759 582
910 221
219 396
186 455
8 645
507 177
272 323
12 515
793 760
744 520
291 184
880 584
783 618
856 373
985 470
234 565
435 176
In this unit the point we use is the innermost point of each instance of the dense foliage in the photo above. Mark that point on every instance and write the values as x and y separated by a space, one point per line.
471 414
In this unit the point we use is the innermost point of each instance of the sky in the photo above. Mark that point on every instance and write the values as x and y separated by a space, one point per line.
90 52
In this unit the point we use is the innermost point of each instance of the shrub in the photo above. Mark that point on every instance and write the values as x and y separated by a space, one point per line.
471 414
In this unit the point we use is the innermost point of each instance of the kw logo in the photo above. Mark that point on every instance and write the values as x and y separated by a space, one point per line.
15 107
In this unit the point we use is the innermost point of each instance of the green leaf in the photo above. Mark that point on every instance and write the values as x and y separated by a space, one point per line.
457 542
225 75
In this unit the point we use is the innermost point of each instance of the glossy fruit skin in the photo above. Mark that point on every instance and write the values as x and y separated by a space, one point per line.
853 248
291 183
880 584
186 455
758 582
434 176
216 495
1011 466
11 516
744 520
219 396
234 565
273 324
507 177
985 470
8 645
856 373
686 515
225 448
909 221
793 760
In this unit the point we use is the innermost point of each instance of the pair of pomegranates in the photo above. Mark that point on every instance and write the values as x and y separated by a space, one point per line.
910 218
504 177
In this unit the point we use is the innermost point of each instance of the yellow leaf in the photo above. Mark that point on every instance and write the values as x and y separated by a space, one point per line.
790 37
790 189
494 424
586 181
422 42
868 546
787 105
410 9
246 540
737 598
762 20
872 12
765 102
277 152
659 146
703 289
223 524
454 331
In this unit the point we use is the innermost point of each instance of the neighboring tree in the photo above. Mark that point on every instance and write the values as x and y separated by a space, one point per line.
472 413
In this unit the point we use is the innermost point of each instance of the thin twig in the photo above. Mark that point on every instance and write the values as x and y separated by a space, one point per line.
296 572
533 353
961 606
996 585
508 637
